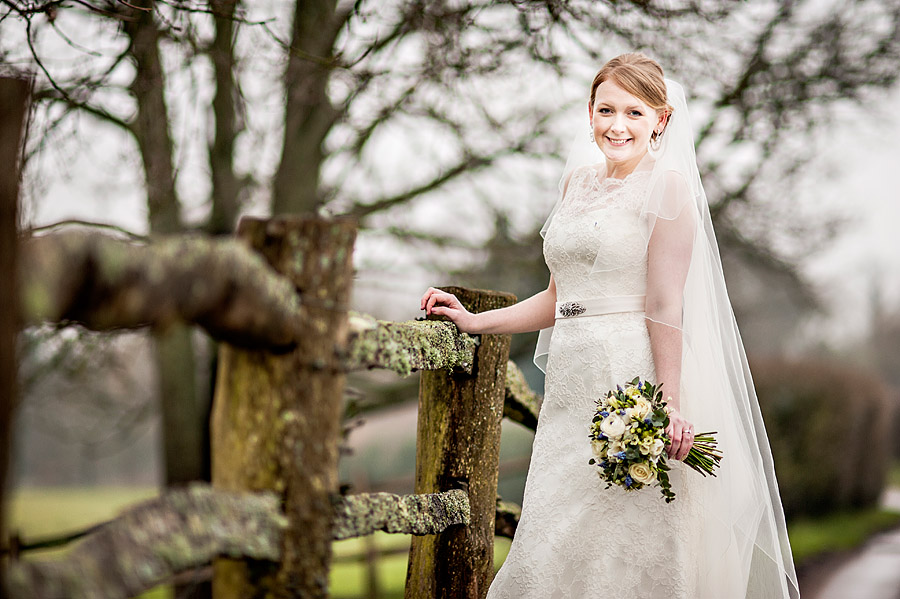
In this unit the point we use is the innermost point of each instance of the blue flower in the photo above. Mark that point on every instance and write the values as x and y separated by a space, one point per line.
621 412
621 455
604 413
628 480
619 387
601 436
647 420
641 385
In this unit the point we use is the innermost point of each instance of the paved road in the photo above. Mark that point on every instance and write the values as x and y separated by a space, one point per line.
875 572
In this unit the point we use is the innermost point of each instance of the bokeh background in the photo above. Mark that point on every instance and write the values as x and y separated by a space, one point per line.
443 127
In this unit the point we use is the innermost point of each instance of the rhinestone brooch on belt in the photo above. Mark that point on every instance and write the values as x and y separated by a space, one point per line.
570 309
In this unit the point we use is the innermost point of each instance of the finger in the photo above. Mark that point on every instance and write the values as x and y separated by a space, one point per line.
686 444
426 296
429 307
678 432
687 441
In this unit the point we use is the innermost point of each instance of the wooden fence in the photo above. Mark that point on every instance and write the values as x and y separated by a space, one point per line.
277 299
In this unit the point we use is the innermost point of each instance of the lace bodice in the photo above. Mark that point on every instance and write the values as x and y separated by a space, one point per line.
599 220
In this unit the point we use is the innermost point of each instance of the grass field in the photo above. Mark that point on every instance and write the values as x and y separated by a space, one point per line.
41 513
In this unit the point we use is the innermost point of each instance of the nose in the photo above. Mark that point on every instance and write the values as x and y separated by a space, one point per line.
618 124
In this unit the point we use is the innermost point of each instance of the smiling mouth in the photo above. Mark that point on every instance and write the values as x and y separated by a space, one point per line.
618 142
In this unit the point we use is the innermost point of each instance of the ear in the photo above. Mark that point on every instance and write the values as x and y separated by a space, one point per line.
663 120
590 113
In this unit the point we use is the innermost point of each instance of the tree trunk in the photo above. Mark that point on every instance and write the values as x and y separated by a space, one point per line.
276 418
13 108
226 187
458 445
309 114
183 411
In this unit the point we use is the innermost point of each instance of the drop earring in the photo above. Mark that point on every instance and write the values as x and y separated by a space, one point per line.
655 141
592 135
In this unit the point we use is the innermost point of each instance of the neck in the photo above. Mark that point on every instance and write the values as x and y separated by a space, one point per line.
620 170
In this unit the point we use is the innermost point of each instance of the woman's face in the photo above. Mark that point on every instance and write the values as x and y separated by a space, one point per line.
622 125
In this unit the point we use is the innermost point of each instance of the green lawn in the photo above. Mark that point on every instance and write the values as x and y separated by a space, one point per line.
837 532
38 513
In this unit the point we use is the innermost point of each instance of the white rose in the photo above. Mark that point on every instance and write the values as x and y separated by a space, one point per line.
613 426
641 409
657 448
598 447
642 473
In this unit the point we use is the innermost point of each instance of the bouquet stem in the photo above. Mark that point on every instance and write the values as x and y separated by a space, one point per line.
704 456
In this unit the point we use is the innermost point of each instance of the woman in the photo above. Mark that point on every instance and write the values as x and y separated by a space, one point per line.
637 290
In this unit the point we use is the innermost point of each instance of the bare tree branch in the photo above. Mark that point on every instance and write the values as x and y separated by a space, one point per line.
59 96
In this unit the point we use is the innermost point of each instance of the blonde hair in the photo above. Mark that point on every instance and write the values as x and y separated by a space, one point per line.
640 76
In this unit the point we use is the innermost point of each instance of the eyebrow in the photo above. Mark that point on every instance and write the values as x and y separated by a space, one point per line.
632 107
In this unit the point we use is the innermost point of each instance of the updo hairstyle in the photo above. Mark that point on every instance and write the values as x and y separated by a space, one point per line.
640 76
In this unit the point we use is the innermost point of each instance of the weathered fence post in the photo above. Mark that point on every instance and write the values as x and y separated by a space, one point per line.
276 419
13 107
458 444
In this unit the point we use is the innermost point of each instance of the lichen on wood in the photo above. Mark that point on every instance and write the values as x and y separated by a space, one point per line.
362 514
155 540
521 404
407 346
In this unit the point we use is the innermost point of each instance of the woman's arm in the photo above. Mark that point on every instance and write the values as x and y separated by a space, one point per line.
668 259
535 313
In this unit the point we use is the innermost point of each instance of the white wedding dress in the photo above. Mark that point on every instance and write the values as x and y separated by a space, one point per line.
576 538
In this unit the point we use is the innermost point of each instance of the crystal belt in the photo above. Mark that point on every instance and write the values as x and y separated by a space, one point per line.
601 305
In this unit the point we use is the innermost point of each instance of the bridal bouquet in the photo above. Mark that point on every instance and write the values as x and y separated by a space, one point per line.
628 439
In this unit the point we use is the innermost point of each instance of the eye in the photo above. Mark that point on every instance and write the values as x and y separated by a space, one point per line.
636 113
604 111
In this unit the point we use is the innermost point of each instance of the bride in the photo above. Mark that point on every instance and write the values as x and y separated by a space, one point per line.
636 289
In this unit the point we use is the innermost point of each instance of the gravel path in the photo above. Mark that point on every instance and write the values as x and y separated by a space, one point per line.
875 572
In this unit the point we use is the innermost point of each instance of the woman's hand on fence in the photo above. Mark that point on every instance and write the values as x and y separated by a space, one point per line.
681 436
436 301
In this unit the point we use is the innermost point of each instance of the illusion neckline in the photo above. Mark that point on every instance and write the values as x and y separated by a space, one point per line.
602 180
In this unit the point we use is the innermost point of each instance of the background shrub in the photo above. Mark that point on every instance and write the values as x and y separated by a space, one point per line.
830 427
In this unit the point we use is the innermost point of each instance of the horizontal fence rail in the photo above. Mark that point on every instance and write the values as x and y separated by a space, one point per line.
276 298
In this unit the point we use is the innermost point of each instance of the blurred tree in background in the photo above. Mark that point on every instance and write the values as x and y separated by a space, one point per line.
406 113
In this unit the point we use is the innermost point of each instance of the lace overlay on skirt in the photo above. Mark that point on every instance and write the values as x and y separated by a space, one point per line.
576 538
